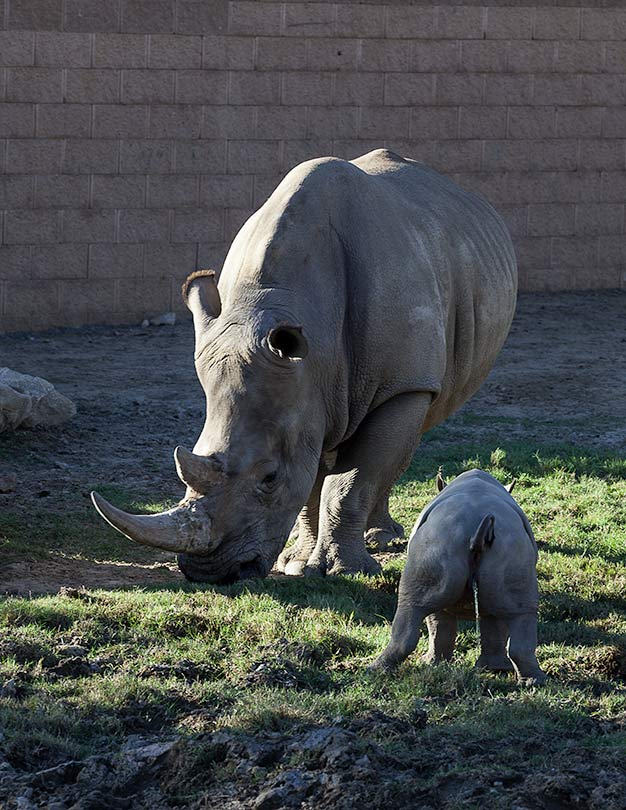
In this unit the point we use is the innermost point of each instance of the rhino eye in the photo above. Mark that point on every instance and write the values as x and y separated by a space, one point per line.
268 483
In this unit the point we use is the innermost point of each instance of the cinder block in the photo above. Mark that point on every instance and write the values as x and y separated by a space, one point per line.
226 191
295 152
459 89
309 20
146 86
533 251
280 53
144 225
16 191
92 15
516 218
34 84
148 16
200 157
35 15
255 88
365 89
557 89
115 261
384 122
602 154
92 86
531 57
56 49
614 123
33 156
255 19
167 261
228 53
509 23
17 120
253 157
556 23
175 51
511 89
87 156
86 301
173 191
611 251
228 122
263 187
62 191
86 225
281 122
64 120
532 122
120 121
199 225
553 155
209 255
597 218
479 56
201 16
569 187
175 121
235 218
385 55
201 87
482 122
331 54
551 219
35 311
138 298
502 156
17 48
615 57
577 251
434 57
24 227
603 23
14 262
308 88
120 50
329 122
59 261
579 57
146 157
613 187
461 22
411 22
457 156
604 89
355 20
402 89
111 191
434 122
582 122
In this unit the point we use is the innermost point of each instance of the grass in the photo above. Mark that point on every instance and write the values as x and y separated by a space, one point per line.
185 660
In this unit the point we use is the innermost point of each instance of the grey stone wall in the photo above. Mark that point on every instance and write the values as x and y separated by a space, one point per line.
137 135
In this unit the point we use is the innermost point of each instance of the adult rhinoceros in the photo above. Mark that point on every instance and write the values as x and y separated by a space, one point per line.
362 304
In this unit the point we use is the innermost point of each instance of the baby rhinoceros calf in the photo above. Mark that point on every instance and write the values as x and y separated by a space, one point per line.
473 532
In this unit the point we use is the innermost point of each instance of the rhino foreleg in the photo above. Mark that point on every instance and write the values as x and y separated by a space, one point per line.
294 558
366 468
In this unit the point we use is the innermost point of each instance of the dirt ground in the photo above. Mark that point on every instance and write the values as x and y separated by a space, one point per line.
563 369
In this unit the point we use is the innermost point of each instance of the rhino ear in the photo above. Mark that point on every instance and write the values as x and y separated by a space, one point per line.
288 342
203 300
441 481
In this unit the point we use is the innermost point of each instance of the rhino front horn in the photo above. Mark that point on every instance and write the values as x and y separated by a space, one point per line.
179 530
197 472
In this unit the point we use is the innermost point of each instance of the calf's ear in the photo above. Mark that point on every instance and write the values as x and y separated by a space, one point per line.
509 487
201 295
441 481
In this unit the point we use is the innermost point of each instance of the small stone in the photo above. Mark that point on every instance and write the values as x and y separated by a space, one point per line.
8 482
166 319
9 689
145 323
72 650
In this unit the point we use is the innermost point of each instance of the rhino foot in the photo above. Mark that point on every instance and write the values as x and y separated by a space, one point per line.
293 560
335 561
379 537
494 663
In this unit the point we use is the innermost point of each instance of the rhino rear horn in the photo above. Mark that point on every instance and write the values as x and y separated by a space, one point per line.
197 472
202 298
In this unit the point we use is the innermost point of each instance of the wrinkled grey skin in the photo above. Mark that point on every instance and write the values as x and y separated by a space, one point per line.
359 306
474 510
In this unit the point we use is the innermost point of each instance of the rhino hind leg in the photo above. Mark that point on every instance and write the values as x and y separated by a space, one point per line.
382 529
522 649
366 468
494 634
442 629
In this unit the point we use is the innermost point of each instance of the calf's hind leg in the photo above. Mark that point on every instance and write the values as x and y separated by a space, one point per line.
494 634
441 637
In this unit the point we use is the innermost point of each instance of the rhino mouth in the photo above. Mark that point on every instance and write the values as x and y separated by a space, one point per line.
198 568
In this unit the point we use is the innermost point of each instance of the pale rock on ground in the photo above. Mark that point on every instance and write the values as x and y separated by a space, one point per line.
29 402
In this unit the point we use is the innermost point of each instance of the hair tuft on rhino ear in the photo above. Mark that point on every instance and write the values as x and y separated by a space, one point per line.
288 342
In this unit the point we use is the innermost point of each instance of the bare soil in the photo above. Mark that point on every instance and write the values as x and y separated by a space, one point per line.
562 373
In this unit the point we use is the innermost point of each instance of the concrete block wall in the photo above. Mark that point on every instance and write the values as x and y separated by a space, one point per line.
136 136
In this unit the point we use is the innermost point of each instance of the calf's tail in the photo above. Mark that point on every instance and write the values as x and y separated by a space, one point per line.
482 538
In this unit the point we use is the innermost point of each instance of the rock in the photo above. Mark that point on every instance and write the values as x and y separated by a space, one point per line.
29 402
145 323
72 651
9 689
8 481
166 319
288 789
